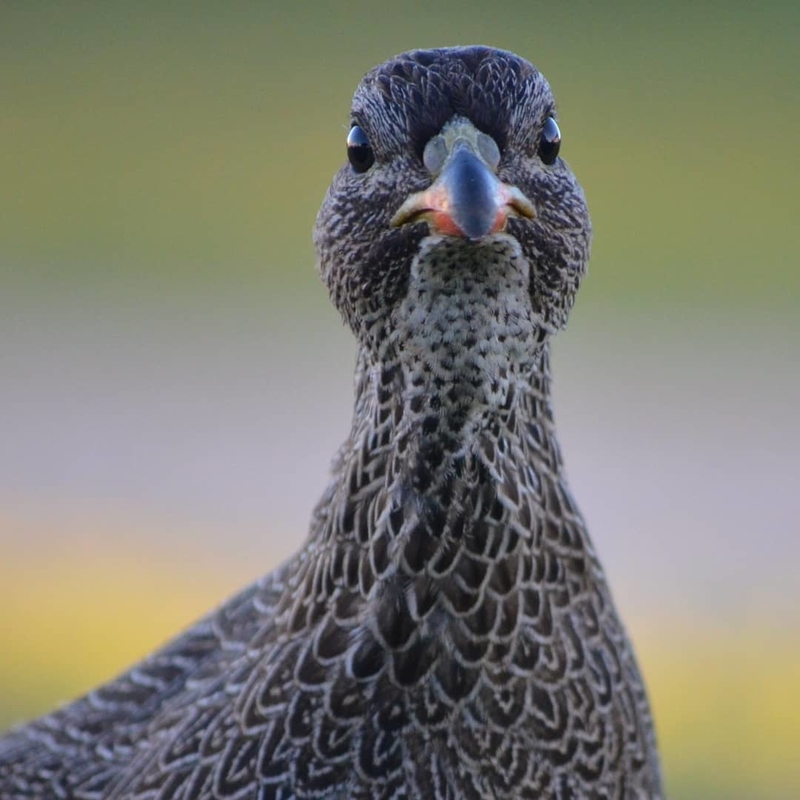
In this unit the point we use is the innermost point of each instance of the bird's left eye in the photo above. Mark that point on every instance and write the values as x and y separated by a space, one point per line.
550 141
359 150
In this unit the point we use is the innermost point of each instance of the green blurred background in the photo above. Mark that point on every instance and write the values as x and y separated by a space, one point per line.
173 381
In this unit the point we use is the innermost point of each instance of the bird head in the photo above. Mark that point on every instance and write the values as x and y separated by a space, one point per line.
453 154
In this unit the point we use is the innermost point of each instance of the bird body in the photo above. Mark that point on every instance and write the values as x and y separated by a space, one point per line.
447 630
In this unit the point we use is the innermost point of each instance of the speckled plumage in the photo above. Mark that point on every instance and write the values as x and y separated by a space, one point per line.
447 630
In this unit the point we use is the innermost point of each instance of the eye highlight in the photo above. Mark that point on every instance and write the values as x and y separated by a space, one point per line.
359 150
549 142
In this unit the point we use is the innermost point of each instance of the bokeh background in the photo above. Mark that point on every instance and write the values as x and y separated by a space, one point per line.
173 380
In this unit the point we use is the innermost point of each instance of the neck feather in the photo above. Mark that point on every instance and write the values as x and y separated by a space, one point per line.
421 471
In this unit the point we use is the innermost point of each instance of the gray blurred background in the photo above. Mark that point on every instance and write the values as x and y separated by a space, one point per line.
174 382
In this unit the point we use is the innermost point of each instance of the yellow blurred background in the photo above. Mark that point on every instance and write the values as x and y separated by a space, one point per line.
173 381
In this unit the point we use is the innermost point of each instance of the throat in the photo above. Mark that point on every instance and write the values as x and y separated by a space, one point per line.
463 340
467 315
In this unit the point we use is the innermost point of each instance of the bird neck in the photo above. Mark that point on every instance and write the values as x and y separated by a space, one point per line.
421 472
452 473
423 424
458 369
426 538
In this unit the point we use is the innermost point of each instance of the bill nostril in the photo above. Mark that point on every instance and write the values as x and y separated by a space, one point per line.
435 154
489 150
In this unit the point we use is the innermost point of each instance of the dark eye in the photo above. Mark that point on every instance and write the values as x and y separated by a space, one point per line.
359 150
550 141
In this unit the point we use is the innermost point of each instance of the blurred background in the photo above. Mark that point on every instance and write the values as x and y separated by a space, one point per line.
174 382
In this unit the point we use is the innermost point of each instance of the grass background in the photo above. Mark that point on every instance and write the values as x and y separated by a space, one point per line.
161 166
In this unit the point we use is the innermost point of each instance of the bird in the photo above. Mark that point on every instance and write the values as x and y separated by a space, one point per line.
446 630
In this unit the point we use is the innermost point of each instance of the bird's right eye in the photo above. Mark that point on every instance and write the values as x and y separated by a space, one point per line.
359 150
550 142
